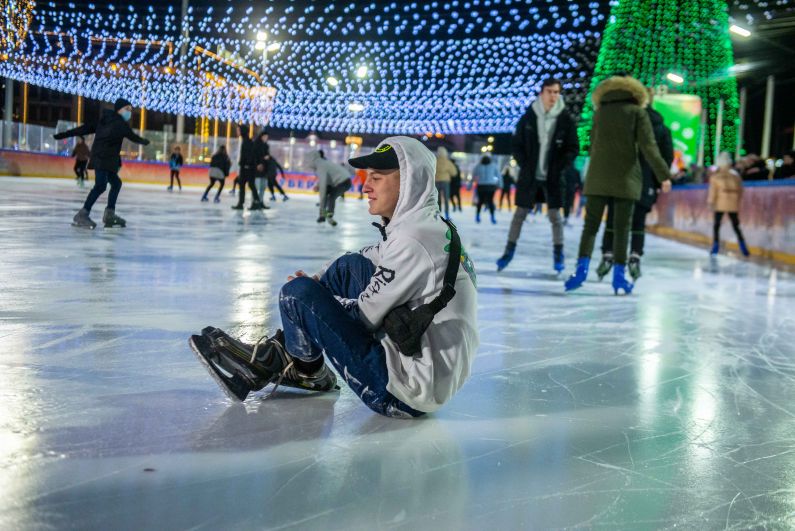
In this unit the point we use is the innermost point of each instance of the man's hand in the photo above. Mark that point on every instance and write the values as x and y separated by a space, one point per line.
260 168
300 273
666 186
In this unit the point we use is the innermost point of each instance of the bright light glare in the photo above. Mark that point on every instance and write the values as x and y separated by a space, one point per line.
675 78
737 30
361 71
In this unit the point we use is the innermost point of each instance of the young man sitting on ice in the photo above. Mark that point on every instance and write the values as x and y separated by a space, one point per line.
397 320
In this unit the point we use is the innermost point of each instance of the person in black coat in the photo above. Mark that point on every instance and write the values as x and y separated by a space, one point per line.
272 169
544 144
109 133
250 157
219 170
648 196
455 188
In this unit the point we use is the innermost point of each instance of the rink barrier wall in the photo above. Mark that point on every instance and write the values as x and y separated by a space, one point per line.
767 218
30 164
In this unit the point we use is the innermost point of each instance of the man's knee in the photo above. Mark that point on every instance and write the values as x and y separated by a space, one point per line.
351 261
298 288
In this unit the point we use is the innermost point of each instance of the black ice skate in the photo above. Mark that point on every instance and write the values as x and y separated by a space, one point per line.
634 266
605 265
110 219
82 220
233 377
262 364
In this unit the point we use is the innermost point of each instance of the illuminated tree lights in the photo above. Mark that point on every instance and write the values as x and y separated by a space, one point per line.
649 40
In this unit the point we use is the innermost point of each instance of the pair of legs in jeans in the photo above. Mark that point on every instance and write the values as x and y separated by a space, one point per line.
101 180
316 323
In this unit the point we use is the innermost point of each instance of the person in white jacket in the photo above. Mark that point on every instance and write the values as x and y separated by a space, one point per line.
340 311
333 181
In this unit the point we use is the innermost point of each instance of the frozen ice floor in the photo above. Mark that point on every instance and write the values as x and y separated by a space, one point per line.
672 408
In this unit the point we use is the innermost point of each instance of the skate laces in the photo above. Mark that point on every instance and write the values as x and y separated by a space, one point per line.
284 355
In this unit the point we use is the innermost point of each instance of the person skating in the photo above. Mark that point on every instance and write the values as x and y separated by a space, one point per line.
175 163
621 127
262 153
445 170
509 174
648 196
487 178
219 171
81 153
333 181
272 169
397 320
105 160
248 166
726 197
544 144
455 188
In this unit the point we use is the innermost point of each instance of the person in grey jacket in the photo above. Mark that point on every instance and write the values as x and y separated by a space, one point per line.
333 181
488 180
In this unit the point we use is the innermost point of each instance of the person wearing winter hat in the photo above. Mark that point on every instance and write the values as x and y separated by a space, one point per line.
105 159
351 313
725 197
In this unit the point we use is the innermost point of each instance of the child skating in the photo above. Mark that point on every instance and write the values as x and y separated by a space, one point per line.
725 197
175 164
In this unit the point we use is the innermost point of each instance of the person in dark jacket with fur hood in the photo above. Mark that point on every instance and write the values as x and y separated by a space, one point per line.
648 196
621 127
112 129
544 144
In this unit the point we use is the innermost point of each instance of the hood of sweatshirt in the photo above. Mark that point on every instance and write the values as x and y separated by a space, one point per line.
418 194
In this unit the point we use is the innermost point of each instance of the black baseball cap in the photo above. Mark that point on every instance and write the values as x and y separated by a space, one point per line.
383 158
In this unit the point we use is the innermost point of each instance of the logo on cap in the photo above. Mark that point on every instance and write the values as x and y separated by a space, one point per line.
385 147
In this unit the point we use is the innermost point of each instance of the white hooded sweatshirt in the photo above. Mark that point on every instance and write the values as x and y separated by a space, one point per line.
409 268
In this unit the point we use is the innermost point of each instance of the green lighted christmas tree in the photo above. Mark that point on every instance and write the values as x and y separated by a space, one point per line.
651 38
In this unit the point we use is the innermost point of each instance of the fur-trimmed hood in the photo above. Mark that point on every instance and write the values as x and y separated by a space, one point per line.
620 88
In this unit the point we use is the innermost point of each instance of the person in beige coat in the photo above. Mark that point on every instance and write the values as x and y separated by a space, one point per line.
445 171
725 197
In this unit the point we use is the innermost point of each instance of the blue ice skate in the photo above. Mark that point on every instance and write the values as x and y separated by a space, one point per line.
579 276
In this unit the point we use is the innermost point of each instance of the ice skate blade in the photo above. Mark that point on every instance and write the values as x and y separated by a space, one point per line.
89 227
195 345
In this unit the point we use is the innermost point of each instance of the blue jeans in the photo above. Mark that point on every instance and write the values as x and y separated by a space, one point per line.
101 180
315 323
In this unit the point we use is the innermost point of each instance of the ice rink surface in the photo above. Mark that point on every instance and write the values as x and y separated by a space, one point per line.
671 408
